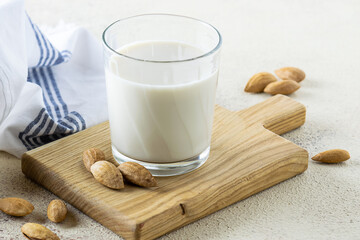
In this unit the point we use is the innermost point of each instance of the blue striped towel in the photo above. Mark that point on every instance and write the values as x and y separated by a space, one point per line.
50 85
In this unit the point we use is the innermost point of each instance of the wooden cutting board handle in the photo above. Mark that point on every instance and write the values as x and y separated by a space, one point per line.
278 114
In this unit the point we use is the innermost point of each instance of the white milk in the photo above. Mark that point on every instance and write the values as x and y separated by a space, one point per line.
159 112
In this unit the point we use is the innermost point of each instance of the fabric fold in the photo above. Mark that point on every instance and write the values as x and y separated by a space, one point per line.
51 85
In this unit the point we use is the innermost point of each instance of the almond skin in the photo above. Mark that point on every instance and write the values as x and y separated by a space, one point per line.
282 87
259 81
56 211
137 174
107 174
290 73
34 231
17 207
332 156
92 155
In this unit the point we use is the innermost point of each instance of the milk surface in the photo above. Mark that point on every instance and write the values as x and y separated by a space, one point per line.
160 112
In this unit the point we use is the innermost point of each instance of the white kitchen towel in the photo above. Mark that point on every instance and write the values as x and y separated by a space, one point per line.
51 85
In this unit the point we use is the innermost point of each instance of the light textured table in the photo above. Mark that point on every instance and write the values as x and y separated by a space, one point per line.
322 38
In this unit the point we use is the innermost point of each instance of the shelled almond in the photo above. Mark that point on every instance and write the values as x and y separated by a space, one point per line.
290 73
332 156
34 231
259 81
92 155
17 207
107 174
285 87
137 174
56 211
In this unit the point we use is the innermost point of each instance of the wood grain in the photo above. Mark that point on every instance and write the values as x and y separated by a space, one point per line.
247 156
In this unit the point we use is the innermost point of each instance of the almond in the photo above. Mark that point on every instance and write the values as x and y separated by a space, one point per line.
137 174
107 174
17 207
332 156
56 211
282 87
259 81
92 155
290 73
34 231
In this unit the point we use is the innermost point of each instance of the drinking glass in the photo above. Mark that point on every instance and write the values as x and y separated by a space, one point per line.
161 76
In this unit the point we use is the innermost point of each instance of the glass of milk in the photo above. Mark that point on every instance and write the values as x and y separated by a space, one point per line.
161 76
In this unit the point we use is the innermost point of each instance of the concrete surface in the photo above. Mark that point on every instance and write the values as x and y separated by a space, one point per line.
322 38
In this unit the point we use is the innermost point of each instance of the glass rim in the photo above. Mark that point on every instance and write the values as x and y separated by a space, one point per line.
208 53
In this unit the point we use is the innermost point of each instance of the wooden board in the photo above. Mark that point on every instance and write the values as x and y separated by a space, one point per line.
245 158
